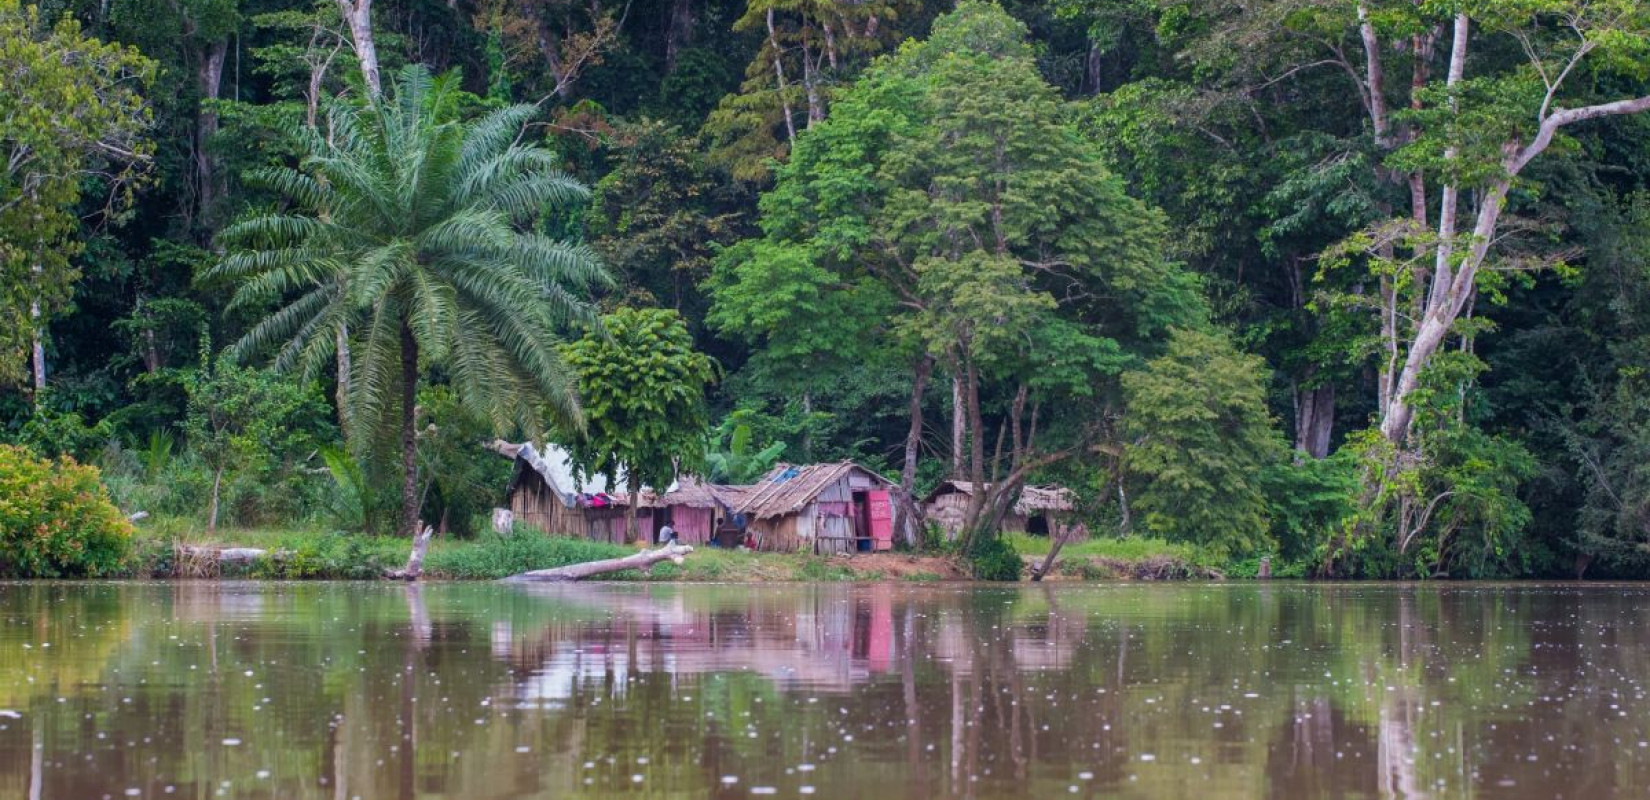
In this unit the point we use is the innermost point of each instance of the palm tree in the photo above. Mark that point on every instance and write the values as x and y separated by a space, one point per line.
410 234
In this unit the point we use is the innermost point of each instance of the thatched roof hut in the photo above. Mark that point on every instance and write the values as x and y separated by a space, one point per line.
837 507
696 509
1038 510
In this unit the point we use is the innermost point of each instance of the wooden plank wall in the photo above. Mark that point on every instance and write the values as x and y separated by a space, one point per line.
692 525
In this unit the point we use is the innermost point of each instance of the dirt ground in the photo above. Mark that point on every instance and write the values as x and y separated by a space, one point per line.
896 566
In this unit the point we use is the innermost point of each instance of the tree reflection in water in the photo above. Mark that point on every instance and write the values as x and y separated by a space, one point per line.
881 690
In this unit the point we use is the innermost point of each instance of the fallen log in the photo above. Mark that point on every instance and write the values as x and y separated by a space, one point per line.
573 572
191 561
223 555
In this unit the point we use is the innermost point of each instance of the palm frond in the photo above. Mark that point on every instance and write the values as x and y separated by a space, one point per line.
492 134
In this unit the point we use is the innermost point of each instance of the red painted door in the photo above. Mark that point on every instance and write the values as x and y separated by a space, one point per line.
882 519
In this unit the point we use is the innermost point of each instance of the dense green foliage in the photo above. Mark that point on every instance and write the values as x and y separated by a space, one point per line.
413 232
73 122
1135 248
56 519
1200 443
644 391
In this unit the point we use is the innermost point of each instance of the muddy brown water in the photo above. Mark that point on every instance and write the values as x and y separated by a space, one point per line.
479 691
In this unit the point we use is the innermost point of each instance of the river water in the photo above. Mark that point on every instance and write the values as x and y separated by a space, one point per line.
477 691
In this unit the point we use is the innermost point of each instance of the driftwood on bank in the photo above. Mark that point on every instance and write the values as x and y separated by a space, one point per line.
192 561
415 559
572 572
224 555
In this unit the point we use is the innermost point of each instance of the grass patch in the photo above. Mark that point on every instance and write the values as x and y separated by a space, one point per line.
492 556
1134 548
297 553
814 568
1109 558
715 564
311 553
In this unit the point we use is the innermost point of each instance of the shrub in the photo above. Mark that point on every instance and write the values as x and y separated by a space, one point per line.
332 555
56 519
993 558
935 539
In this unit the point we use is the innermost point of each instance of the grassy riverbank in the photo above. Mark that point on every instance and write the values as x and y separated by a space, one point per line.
313 554
1137 558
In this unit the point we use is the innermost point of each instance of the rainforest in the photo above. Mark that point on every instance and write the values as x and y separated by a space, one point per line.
1283 288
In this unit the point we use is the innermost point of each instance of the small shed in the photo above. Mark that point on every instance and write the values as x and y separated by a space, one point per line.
545 494
696 509
1040 510
820 508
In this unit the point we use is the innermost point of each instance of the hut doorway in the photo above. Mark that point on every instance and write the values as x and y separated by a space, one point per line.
862 523
1037 525
873 520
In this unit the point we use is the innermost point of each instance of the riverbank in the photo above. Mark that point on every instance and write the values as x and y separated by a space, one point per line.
161 549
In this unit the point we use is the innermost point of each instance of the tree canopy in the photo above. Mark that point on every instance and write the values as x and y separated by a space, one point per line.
1125 247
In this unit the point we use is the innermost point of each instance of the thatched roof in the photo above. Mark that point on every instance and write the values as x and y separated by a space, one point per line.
787 488
693 493
1033 499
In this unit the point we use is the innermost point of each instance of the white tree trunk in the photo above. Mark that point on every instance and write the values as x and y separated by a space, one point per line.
358 14
1452 285
212 510
415 559
779 77
572 572
37 348
959 427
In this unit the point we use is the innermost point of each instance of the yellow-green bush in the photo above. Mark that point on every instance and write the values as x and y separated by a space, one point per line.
56 519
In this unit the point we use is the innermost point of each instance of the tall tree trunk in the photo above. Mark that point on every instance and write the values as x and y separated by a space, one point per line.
210 80
410 524
810 82
1374 79
358 14
678 32
1452 280
779 75
976 423
342 395
212 507
959 424
978 499
1091 68
1125 518
37 346
906 516
1396 413
1314 419
634 485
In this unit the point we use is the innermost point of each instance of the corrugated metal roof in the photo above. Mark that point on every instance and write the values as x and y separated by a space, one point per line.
555 467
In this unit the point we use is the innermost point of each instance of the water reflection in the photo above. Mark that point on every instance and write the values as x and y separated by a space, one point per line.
495 691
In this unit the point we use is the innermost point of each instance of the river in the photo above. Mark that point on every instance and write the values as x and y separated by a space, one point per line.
480 691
